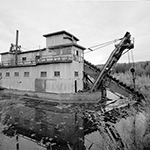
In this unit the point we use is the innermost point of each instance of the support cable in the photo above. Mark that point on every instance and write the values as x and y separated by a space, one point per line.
112 41
96 47
129 57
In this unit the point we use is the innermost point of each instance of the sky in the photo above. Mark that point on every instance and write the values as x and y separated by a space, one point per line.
93 22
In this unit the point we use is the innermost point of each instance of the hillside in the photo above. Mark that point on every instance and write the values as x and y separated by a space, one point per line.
141 68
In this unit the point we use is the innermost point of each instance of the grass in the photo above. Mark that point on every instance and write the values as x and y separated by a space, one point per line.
142 83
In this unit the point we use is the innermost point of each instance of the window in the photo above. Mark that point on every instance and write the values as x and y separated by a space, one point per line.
66 51
77 53
16 74
56 51
26 74
7 74
56 73
37 57
76 74
24 59
43 74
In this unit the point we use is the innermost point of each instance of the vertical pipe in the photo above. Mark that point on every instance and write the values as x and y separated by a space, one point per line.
16 51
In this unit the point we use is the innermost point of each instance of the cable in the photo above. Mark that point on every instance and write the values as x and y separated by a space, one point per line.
103 59
129 64
92 47
132 56
128 57
91 50
112 41
96 47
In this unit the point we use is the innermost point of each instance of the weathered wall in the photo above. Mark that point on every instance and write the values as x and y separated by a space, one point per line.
7 58
57 40
62 84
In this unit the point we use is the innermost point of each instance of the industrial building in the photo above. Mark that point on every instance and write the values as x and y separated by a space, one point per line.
58 68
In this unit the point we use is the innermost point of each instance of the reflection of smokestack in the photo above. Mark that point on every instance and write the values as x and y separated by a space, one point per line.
16 50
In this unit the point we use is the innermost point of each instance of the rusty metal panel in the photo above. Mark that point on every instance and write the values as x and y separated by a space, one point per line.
40 85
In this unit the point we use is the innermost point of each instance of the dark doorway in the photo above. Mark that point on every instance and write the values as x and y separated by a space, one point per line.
75 86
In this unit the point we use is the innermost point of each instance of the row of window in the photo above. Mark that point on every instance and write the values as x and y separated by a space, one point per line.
63 51
42 74
16 74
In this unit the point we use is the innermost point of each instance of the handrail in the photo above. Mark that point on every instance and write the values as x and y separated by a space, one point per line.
35 61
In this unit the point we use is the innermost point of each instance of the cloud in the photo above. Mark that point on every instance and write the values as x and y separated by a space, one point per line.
93 22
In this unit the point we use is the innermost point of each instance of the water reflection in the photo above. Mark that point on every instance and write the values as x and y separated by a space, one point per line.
52 125
59 126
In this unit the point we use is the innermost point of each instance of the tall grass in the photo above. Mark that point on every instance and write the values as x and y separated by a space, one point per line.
142 83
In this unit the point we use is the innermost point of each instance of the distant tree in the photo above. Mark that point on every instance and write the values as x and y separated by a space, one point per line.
141 68
147 70
122 68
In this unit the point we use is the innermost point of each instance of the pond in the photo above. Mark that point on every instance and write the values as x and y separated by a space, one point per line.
31 124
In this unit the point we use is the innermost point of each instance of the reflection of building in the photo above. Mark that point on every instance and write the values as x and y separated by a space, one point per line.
52 122
58 68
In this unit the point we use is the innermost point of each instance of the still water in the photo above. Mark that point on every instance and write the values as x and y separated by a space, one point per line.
39 125
56 124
